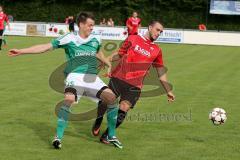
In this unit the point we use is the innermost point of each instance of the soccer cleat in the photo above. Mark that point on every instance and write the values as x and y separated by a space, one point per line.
115 142
95 129
104 139
57 143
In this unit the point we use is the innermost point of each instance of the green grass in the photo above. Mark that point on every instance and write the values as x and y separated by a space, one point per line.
203 77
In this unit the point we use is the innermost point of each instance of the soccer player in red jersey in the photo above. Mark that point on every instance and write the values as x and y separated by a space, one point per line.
3 18
136 55
133 23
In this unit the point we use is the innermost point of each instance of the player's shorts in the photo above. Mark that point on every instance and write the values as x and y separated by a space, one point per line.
89 85
125 90
1 32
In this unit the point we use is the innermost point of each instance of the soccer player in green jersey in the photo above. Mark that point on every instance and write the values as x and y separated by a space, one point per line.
82 51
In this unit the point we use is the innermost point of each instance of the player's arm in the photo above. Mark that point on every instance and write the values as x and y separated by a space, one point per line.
163 80
7 21
8 24
103 59
114 57
42 48
128 24
122 50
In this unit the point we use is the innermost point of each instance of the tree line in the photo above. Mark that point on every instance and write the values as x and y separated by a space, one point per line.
187 14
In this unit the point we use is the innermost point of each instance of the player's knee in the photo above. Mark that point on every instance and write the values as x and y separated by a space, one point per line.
125 106
70 95
110 99
108 96
69 98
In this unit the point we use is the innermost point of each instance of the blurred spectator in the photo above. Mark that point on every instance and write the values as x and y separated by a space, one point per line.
202 27
110 22
71 23
3 19
10 18
103 22
133 23
66 20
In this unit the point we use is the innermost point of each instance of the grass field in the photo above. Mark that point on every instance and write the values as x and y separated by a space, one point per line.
203 77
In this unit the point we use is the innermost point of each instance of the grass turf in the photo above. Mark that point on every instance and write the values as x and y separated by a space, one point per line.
203 77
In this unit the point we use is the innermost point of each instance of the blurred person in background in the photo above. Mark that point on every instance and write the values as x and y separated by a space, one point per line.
110 22
133 23
3 18
103 22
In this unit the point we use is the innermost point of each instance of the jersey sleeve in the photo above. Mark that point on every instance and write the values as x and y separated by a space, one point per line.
128 22
6 18
125 46
61 41
139 21
158 62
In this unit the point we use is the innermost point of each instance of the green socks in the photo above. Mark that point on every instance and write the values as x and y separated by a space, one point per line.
112 112
62 122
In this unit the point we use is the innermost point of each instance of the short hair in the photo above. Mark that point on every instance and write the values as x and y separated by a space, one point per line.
83 16
153 22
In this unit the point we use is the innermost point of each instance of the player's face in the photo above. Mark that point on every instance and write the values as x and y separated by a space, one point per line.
135 14
87 27
1 9
155 31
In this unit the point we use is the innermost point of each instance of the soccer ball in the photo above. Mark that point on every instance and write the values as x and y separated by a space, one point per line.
218 116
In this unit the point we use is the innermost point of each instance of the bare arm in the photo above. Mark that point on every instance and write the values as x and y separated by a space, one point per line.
103 59
114 57
8 24
42 48
163 80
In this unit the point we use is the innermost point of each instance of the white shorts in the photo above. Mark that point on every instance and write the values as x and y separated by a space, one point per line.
86 85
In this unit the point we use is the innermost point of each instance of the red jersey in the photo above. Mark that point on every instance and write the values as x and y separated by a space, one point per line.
134 23
138 54
3 17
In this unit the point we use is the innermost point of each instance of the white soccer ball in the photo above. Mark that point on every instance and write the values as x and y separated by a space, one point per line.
218 116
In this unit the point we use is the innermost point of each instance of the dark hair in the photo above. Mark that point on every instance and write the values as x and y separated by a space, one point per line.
151 23
83 16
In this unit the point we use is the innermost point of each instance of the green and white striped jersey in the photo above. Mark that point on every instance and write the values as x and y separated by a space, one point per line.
80 53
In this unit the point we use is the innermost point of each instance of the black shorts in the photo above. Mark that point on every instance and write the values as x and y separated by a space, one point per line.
124 90
1 32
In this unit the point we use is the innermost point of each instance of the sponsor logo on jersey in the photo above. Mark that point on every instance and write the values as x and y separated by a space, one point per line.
84 53
94 44
142 51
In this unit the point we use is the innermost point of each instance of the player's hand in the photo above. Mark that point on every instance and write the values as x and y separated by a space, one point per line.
14 52
109 70
109 58
171 97
101 66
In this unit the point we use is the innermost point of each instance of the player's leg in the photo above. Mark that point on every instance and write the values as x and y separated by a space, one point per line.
102 108
129 95
1 33
124 107
72 92
99 89
63 115
4 40
112 111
